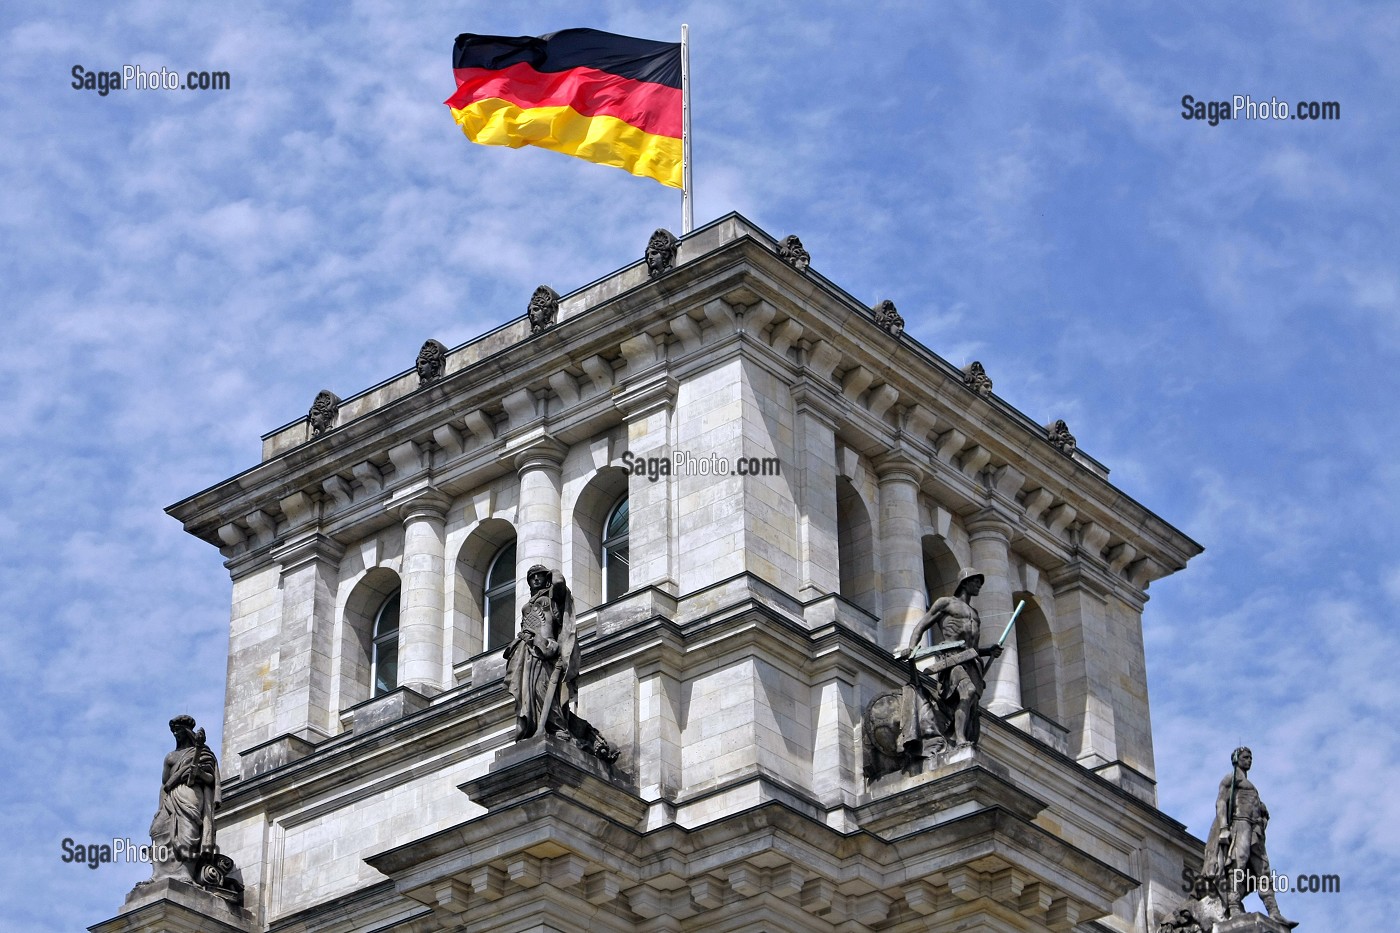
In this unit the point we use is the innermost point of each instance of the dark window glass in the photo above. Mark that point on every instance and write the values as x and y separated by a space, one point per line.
500 598
385 664
615 552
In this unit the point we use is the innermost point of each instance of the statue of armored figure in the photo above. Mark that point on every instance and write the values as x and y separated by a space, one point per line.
939 709
543 665
950 711
183 844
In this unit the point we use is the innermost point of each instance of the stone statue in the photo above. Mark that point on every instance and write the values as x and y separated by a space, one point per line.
543 664
431 363
182 832
544 308
1200 914
888 318
938 710
543 658
1059 437
661 252
960 684
1235 857
790 251
323 412
975 378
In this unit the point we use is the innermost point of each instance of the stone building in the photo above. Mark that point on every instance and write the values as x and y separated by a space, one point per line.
754 485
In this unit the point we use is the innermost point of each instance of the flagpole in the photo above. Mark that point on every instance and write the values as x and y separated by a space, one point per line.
687 194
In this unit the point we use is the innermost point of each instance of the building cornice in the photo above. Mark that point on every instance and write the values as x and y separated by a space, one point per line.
729 286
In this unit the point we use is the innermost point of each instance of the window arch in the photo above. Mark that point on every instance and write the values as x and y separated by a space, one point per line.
498 598
384 651
587 511
616 553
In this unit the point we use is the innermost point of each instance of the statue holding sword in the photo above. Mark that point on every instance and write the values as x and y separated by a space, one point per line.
543 667
947 710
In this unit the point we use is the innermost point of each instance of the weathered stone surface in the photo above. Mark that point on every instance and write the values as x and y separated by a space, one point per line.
280 751
386 708
174 906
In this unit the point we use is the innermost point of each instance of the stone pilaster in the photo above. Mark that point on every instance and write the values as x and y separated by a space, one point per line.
658 736
309 566
902 595
817 534
539 525
422 618
835 768
989 534
1081 614
648 406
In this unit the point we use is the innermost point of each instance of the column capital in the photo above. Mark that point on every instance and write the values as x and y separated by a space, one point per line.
897 465
542 453
423 502
991 522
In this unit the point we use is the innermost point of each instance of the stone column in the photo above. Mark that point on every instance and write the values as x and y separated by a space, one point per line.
902 595
990 535
539 516
422 616
308 576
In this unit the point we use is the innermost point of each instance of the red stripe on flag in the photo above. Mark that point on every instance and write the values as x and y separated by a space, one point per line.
654 108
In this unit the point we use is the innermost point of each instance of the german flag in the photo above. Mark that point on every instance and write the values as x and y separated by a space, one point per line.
609 99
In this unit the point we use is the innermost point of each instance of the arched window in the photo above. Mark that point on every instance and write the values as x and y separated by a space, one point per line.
615 553
384 668
498 599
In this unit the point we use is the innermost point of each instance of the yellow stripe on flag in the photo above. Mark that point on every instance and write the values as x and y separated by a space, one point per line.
605 140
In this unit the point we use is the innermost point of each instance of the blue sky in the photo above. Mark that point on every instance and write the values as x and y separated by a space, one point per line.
1215 311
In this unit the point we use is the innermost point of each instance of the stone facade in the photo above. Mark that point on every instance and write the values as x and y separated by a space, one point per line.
759 615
